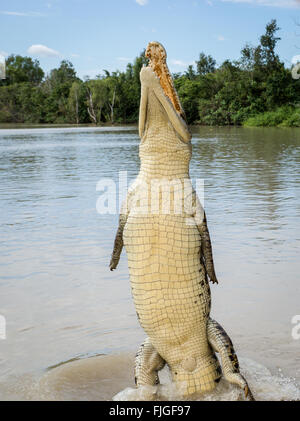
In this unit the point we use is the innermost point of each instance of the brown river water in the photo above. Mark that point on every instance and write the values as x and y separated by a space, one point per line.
71 327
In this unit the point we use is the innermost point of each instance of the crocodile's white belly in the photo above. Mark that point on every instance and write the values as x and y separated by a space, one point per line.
170 290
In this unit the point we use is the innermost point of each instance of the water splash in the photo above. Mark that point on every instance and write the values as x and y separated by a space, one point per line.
264 385
110 377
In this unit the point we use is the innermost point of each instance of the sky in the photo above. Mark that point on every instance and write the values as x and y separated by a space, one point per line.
107 34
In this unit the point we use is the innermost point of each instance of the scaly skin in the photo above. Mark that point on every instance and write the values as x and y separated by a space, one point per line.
170 257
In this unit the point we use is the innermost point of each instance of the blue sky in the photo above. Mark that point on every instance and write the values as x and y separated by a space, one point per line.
107 34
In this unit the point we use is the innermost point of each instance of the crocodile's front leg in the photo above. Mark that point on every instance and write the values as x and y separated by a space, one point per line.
206 250
118 244
147 364
220 342
206 255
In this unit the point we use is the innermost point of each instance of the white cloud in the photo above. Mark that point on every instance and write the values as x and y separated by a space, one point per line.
75 55
30 14
3 53
292 4
142 2
42 51
220 38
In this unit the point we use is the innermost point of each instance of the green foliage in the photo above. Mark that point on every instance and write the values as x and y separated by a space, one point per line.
292 120
76 105
268 43
21 103
22 69
57 88
283 116
189 92
257 83
205 64
255 90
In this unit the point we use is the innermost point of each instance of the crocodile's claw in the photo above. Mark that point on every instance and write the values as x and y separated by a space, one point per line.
114 260
213 279
248 393
113 264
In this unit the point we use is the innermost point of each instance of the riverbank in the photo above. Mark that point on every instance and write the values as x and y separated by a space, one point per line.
281 117
277 118
58 126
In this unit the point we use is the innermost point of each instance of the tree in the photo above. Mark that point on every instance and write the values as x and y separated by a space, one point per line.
77 102
57 87
97 99
189 94
112 85
210 94
251 58
64 74
190 72
268 43
22 69
205 64
73 101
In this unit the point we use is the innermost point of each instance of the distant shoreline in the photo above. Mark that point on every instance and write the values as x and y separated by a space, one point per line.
7 126
50 125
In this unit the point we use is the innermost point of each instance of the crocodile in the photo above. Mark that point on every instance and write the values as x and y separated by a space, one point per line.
169 249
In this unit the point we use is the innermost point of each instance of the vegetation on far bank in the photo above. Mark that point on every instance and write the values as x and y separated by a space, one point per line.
285 116
256 90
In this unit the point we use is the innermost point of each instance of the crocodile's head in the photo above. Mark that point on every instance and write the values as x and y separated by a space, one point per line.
156 53
157 56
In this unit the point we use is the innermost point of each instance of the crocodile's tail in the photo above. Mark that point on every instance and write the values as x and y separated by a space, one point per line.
220 342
